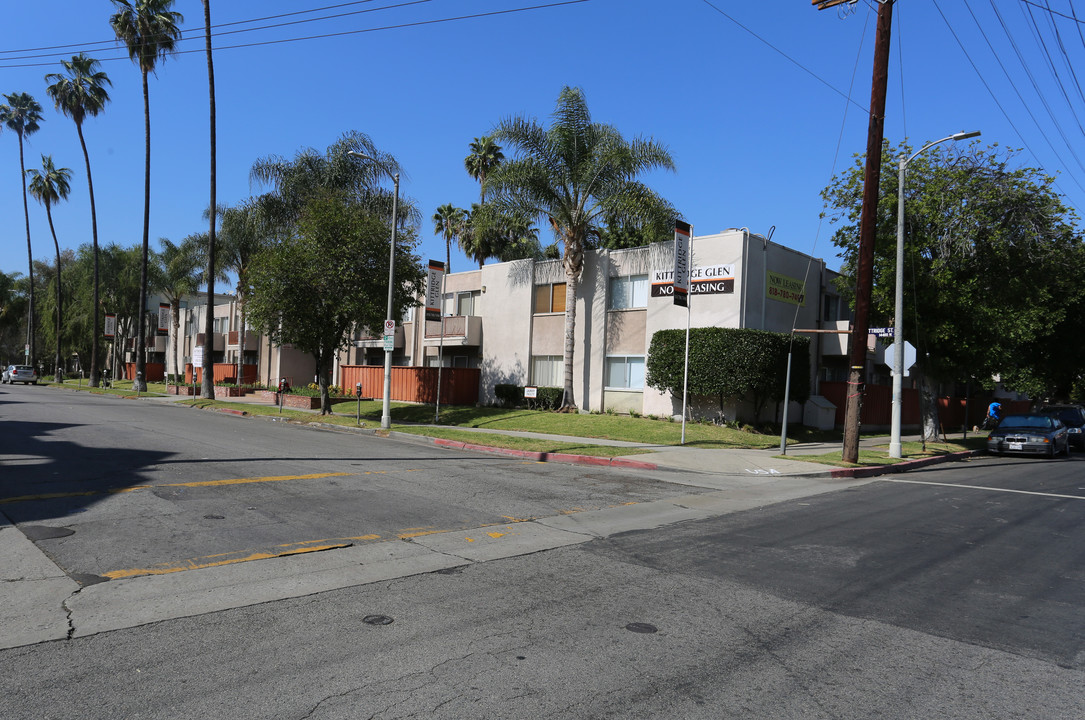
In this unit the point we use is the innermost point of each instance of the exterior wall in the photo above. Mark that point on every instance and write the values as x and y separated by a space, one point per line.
506 325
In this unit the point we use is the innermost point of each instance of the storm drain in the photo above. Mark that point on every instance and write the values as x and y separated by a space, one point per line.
377 620
641 628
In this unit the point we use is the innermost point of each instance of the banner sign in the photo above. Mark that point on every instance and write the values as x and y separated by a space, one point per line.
680 286
110 325
433 290
785 289
163 319
706 280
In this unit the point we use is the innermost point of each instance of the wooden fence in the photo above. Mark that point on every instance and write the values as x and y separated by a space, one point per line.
223 373
459 386
878 406
155 371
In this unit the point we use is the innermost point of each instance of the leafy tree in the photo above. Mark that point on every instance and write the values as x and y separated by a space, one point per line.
121 275
48 186
993 265
22 114
79 94
577 173
313 286
730 364
12 308
149 29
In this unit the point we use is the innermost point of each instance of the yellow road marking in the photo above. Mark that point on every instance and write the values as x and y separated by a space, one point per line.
225 559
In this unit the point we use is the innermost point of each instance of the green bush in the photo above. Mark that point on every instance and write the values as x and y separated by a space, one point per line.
730 364
508 395
548 398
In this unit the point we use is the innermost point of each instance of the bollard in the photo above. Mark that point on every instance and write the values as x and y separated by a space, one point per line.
139 382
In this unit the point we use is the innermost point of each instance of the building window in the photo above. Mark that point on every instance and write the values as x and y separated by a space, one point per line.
469 303
548 371
550 298
628 291
221 324
625 372
832 308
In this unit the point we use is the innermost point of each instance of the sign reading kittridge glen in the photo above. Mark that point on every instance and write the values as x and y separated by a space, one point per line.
706 280
433 290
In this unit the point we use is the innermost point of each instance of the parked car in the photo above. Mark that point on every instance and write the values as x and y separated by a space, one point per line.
21 373
1031 434
7 374
1073 417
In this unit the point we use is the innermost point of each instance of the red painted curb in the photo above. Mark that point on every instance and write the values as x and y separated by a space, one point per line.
900 467
550 457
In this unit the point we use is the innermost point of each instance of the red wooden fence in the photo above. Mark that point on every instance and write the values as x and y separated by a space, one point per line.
223 373
459 386
154 371
878 406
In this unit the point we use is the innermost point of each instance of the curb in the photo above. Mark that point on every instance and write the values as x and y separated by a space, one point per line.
865 472
549 457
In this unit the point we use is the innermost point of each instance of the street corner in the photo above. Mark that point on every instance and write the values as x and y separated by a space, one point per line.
905 466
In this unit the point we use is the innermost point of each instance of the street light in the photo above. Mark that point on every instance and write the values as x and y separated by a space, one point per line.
386 412
898 316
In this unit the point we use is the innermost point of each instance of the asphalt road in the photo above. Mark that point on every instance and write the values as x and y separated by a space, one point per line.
950 592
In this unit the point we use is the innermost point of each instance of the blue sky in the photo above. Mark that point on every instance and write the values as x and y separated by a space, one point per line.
760 103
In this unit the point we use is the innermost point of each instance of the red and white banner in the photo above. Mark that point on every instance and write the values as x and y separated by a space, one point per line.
682 232
433 290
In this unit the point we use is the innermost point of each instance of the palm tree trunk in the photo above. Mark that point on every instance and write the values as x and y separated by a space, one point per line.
30 358
58 373
175 315
140 381
208 385
94 349
571 282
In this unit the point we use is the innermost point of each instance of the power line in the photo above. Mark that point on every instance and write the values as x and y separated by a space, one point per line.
418 23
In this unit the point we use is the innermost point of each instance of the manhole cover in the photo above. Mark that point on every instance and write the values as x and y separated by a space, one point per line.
641 628
214 517
377 620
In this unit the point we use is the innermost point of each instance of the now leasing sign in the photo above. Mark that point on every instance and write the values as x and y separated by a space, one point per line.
705 280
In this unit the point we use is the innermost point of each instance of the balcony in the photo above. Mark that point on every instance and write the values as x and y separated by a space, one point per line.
835 343
378 342
251 339
218 340
459 331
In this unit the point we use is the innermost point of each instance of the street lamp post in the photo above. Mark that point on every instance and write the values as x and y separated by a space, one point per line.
898 315
386 412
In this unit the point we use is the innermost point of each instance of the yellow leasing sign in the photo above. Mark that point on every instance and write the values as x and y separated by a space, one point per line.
785 289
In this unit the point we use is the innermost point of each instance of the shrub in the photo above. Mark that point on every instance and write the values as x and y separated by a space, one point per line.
508 395
547 398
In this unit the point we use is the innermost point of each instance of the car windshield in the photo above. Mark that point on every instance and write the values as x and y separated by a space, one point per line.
1027 421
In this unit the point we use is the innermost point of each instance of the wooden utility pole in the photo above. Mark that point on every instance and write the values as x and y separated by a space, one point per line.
864 276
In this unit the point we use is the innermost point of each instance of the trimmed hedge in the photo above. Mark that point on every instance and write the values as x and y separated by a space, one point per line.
548 398
730 364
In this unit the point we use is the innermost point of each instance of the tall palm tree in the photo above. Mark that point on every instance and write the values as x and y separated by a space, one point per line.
181 275
448 223
80 94
207 388
484 157
577 173
48 186
150 31
22 113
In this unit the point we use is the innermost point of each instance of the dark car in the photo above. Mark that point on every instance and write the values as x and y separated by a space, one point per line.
1032 434
1073 417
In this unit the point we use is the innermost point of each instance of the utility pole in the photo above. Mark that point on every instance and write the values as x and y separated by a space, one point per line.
864 278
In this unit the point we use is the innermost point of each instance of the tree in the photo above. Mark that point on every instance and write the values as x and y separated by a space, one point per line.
80 94
207 385
576 174
181 273
992 263
313 286
448 222
121 274
48 186
12 308
22 114
150 31
484 157
242 237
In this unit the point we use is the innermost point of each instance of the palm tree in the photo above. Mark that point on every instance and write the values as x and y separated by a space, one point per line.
80 94
181 275
50 185
448 222
577 173
22 113
485 156
149 29
207 388
243 236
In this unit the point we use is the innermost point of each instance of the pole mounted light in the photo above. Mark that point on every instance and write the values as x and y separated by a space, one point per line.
386 413
895 450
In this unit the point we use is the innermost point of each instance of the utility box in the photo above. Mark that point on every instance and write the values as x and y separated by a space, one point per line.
819 413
